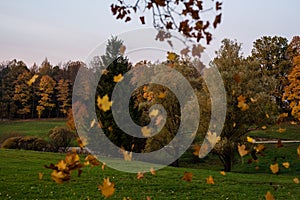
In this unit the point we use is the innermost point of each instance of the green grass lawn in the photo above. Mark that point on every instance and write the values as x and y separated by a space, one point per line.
292 132
38 128
19 180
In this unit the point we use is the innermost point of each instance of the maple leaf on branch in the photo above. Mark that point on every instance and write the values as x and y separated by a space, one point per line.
184 16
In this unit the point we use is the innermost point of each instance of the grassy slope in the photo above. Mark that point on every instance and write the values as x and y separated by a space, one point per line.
19 180
31 127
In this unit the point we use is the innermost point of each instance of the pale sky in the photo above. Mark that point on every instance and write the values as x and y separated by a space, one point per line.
64 30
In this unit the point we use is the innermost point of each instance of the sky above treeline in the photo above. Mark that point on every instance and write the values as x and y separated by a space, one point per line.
66 30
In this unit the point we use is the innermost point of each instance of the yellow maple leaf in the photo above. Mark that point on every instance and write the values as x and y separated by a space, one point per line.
281 130
286 164
104 103
91 159
241 103
32 80
118 78
107 188
260 148
274 168
41 175
269 196
223 173
146 131
171 56
242 150
127 155
152 171
212 137
154 113
162 95
296 180
250 139
196 150
298 151
140 175
188 176
62 165
210 180
103 166
60 176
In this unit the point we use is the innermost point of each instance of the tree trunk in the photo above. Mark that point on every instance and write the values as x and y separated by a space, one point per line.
227 163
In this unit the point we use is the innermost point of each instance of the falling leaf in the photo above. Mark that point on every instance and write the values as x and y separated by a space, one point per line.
296 180
212 137
197 50
103 166
263 127
140 175
161 95
293 122
93 122
279 144
253 100
154 113
118 78
298 151
267 115
32 80
188 176
91 159
152 171
62 165
104 103
269 196
223 173
241 103
122 49
210 180
142 18
60 176
41 175
260 148
104 71
256 168
286 165
234 124
196 150
250 139
185 51
127 155
242 150
274 168
107 188
281 130
171 56
146 131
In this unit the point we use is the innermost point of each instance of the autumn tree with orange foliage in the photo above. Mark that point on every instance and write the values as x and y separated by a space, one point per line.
292 90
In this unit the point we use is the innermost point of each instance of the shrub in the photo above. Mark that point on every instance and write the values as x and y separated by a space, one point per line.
60 138
11 143
6 135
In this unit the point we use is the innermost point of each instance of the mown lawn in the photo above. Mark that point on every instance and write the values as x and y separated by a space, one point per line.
291 132
38 128
19 180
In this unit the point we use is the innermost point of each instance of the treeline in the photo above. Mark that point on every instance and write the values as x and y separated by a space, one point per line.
43 91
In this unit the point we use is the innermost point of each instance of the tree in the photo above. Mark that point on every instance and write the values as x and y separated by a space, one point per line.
22 93
46 91
292 90
249 102
63 95
184 16
271 54
9 74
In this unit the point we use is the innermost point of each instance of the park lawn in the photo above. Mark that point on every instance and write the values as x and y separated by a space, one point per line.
38 128
19 180
272 132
